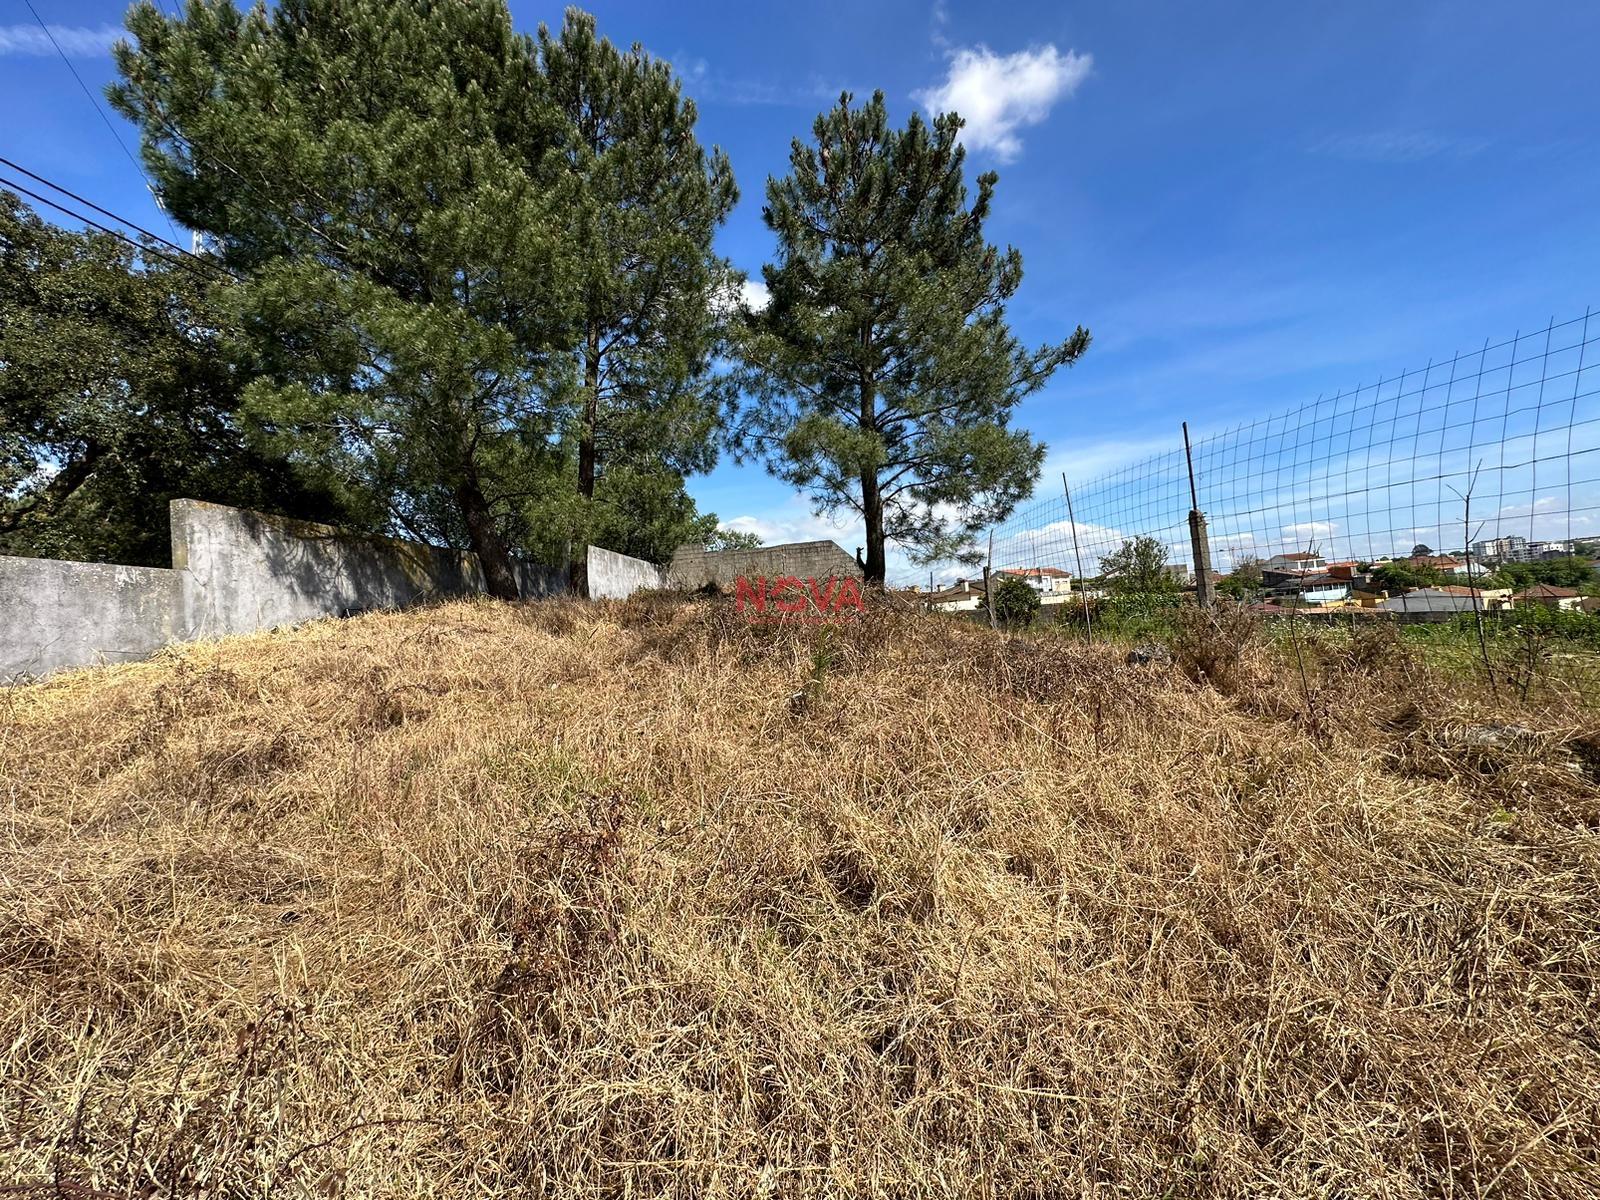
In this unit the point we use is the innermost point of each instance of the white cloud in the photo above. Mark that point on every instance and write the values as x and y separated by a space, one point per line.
1313 529
76 41
999 94
797 524
754 294
748 293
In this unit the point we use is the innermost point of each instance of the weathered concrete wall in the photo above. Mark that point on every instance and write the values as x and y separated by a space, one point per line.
614 576
694 566
70 614
236 571
245 571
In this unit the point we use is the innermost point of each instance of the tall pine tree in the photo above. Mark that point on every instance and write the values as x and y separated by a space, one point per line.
882 376
383 171
645 202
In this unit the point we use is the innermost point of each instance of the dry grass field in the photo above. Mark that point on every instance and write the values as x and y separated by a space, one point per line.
637 900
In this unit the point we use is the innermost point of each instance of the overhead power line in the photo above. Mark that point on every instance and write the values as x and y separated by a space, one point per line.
104 212
100 108
183 258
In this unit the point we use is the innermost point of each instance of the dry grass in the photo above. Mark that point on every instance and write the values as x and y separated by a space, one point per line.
582 901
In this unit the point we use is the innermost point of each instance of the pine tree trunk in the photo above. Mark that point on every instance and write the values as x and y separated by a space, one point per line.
486 542
578 570
872 510
871 495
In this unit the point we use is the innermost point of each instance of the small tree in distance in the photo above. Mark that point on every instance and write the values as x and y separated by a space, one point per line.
733 539
1244 580
1138 568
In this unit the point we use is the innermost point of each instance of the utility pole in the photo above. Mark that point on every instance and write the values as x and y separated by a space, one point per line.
1199 541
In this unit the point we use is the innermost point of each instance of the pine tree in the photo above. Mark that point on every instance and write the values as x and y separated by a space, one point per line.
645 203
382 171
883 374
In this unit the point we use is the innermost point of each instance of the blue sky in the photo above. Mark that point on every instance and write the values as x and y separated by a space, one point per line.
1247 204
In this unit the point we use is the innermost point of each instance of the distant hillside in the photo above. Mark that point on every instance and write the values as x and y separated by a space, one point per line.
638 900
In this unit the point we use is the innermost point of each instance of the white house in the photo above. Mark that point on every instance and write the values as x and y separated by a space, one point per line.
1052 583
1296 560
963 597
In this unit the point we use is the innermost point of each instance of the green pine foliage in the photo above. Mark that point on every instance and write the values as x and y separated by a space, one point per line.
883 376
477 263
645 202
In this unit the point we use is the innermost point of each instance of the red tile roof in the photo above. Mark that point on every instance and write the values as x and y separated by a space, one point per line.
1036 572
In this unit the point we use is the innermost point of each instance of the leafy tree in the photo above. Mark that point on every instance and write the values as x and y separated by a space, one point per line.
1015 603
1244 580
645 202
386 172
733 539
1571 572
645 512
1420 551
1138 568
1404 576
117 396
882 375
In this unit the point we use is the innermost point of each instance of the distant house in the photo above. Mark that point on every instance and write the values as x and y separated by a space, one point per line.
963 597
1502 549
1311 588
1296 561
1445 564
1441 600
1052 583
1548 595
1556 549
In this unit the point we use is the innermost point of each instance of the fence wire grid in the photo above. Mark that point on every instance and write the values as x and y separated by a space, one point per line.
1491 455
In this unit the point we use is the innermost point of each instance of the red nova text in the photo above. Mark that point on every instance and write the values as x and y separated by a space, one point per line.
806 599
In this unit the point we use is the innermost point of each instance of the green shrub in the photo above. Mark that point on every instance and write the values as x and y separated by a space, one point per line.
1015 604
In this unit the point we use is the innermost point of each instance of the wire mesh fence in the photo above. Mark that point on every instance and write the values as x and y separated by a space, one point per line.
1460 495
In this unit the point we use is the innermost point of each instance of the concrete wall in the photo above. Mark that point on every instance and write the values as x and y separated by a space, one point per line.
695 566
235 571
614 576
69 614
245 571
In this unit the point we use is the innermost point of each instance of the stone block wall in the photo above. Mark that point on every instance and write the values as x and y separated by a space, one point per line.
695 566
